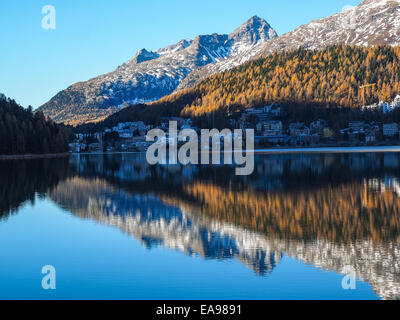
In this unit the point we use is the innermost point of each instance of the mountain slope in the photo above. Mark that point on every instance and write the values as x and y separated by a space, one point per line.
327 77
310 83
152 75
373 22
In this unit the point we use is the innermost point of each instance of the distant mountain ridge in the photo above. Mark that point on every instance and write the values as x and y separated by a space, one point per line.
153 75
149 75
373 22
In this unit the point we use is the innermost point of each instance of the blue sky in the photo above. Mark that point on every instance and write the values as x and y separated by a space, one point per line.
96 36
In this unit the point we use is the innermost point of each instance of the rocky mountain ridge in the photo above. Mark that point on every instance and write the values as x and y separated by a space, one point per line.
373 22
149 75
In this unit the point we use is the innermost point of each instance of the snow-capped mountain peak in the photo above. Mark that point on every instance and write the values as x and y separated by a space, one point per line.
144 55
150 75
373 22
255 30
255 27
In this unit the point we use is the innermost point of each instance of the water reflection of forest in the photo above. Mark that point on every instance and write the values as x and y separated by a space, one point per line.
22 180
335 197
331 211
162 221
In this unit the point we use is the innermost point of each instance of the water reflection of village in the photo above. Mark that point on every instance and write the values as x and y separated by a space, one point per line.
330 211
385 184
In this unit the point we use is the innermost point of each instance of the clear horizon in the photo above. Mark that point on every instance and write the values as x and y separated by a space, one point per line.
91 37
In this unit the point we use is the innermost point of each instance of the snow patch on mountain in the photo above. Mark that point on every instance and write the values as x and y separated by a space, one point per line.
373 22
149 75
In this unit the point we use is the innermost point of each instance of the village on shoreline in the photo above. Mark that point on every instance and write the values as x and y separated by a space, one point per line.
271 132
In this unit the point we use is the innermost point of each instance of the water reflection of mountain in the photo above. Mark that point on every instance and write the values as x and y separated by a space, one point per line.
272 172
155 223
376 264
341 206
325 210
181 227
331 211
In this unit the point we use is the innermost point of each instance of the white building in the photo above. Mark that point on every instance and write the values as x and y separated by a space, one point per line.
390 130
388 107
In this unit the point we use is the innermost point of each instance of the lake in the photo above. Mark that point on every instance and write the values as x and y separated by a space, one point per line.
114 227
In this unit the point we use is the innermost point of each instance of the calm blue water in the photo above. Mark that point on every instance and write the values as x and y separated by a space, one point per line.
115 228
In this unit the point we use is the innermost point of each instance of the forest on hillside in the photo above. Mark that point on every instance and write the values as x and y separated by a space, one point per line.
25 132
330 77
302 79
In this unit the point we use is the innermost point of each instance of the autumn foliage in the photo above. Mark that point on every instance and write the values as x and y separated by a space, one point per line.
330 77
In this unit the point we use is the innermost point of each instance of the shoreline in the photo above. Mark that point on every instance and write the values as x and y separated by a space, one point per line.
33 156
315 150
371 149
362 149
